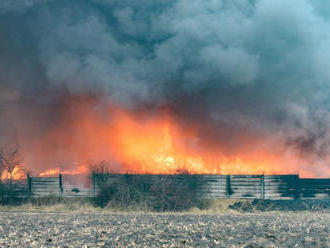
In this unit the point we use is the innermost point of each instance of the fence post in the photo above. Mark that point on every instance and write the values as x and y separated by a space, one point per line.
298 187
60 184
29 186
228 188
93 183
262 181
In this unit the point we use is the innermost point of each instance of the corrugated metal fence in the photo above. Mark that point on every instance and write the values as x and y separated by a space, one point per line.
211 186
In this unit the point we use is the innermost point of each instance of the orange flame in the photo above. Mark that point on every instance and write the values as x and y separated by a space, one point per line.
81 169
138 142
17 174
161 146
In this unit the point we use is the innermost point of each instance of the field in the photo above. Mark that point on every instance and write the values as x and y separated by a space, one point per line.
98 229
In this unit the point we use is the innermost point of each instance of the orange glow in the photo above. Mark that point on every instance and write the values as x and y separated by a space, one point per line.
81 169
51 172
17 174
161 146
140 142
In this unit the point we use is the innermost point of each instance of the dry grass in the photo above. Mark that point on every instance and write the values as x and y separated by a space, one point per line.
53 204
59 207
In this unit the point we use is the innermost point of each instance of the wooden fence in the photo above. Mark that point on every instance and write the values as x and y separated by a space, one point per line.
44 186
211 186
314 188
236 186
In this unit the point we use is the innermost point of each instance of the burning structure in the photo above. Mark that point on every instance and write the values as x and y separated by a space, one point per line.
160 87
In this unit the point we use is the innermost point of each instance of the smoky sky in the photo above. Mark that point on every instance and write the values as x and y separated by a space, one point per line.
260 65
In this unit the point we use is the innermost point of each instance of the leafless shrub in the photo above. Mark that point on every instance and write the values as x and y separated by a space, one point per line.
158 193
9 161
102 167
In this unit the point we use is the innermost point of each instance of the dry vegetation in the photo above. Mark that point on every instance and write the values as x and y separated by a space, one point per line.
56 222
220 206
164 230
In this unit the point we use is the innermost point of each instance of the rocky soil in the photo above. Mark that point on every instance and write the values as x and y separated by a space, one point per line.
164 230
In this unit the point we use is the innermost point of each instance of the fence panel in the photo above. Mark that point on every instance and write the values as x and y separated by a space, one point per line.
45 186
281 187
214 186
245 186
314 188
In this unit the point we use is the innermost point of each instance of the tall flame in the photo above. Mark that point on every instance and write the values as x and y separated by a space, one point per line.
161 146
136 142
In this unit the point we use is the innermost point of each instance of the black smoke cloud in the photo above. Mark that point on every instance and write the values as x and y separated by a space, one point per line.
256 65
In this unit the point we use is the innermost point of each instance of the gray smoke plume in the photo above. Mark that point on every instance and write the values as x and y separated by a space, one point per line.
255 65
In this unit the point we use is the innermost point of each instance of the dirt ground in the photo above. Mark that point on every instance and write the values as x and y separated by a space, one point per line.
164 230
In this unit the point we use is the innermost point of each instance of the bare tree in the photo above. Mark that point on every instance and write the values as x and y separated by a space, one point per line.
9 161
102 167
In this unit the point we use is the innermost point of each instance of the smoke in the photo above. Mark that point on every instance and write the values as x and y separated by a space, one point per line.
259 66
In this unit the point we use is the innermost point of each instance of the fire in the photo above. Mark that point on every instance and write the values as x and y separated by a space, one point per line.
140 142
81 169
17 174
161 146
50 172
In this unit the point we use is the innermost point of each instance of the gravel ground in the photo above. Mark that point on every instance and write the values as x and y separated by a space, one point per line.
164 230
